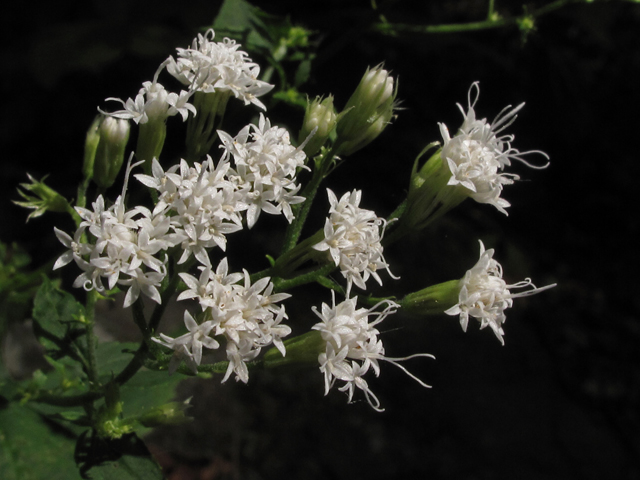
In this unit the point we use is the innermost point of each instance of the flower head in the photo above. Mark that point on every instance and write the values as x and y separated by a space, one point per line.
245 315
265 168
477 154
209 66
353 347
485 295
153 103
352 236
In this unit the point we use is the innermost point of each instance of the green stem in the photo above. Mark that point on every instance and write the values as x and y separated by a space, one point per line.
281 285
301 211
491 22
138 360
91 339
491 9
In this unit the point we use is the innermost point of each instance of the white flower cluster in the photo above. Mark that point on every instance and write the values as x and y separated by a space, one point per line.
210 66
154 103
204 205
353 347
246 315
352 236
124 248
477 156
206 201
485 295
265 169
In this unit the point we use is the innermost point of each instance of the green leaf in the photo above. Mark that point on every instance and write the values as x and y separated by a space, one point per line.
112 357
33 449
242 21
148 389
125 458
53 311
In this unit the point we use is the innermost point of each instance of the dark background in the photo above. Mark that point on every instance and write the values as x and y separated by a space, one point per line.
560 400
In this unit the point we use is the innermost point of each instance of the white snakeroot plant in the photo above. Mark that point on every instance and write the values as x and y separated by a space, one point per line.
485 296
209 67
352 236
246 315
478 154
353 347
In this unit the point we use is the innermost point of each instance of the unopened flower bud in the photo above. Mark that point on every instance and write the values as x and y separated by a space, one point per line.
368 111
320 114
114 134
90 147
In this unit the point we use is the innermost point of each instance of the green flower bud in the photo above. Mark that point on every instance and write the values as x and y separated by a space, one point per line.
368 111
114 134
301 349
432 300
91 146
43 198
320 114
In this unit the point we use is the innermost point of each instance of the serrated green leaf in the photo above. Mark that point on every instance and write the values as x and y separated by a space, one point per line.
53 310
126 458
32 449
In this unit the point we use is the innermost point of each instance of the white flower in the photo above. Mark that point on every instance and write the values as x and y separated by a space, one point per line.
353 347
352 236
266 165
204 205
246 315
153 102
477 156
210 67
123 247
189 346
485 295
